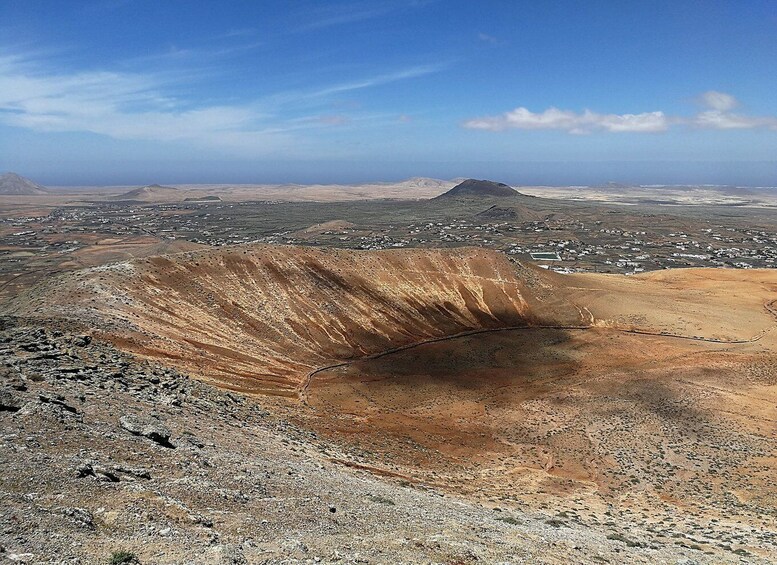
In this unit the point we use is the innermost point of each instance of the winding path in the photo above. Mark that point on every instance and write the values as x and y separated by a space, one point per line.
302 391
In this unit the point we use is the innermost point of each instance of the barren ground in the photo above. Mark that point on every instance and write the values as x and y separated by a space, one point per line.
613 415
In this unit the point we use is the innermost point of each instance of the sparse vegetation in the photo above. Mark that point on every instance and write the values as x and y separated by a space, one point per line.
122 557
624 539
381 499
555 523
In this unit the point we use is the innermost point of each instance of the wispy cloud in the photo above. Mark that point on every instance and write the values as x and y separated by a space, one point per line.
143 106
490 39
240 32
403 74
714 119
334 120
719 101
314 96
178 55
329 15
717 116
121 105
344 15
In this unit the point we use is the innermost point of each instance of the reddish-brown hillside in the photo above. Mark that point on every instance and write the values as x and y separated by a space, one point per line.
259 318
461 369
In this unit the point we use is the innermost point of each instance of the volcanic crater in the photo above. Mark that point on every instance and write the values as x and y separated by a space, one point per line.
465 370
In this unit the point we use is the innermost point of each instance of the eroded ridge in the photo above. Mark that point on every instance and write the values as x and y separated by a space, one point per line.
259 318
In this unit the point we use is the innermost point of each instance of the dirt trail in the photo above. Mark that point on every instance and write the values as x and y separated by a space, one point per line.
305 384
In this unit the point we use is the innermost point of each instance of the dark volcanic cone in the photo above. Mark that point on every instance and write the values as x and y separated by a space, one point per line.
472 188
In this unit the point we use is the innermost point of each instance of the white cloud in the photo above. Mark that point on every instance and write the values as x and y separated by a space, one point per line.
139 106
714 119
719 101
718 116
120 105
571 122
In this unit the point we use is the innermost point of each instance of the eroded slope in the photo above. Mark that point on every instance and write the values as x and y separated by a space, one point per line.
259 318
647 400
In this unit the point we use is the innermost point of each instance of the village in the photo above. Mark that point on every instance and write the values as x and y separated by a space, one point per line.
566 242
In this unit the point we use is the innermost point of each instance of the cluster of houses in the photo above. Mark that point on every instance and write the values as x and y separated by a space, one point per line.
564 244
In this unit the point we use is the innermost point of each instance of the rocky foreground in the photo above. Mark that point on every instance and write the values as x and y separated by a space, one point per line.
106 459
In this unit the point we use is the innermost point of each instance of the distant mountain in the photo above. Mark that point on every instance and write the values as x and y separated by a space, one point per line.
146 192
424 182
472 188
11 183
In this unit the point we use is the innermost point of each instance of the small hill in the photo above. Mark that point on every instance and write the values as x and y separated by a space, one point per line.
203 199
512 212
333 225
498 213
425 182
146 192
472 188
13 184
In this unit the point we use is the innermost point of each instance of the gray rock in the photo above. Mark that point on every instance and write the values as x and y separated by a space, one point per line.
84 470
80 515
82 340
192 439
132 424
58 400
231 555
54 411
146 427
137 472
12 378
196 518
111 474
9 400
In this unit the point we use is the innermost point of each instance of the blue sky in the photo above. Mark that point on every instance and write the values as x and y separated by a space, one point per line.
136 91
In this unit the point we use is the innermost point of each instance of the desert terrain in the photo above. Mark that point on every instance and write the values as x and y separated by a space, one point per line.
392 381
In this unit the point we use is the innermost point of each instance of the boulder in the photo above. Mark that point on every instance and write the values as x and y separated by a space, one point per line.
147 427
